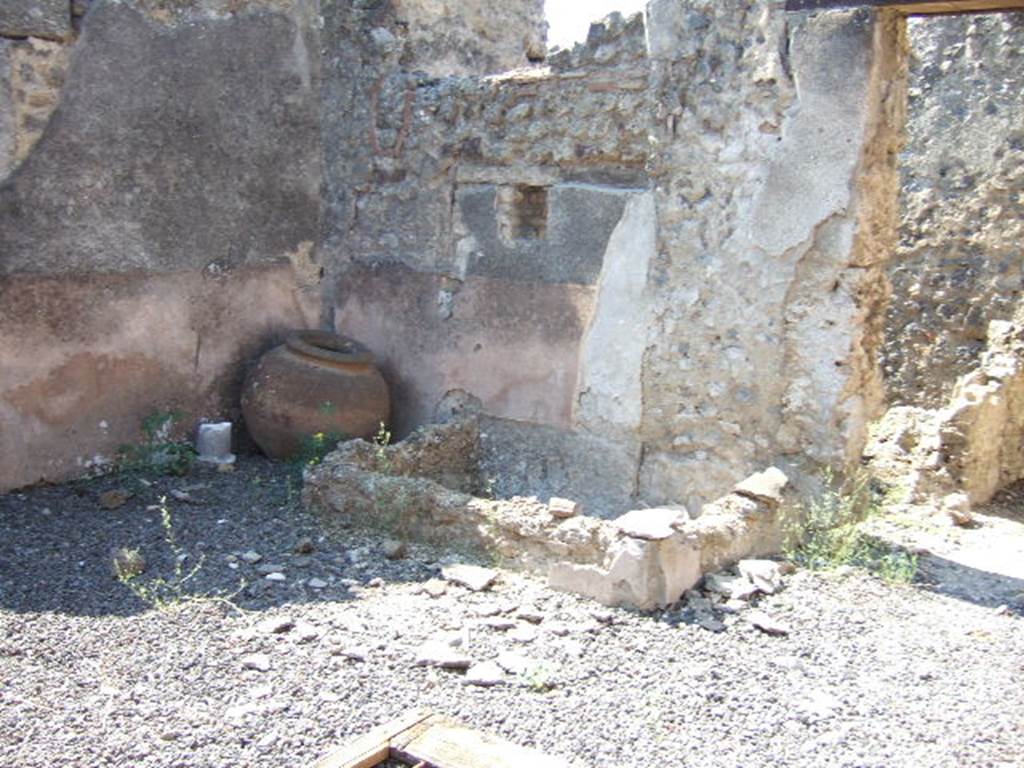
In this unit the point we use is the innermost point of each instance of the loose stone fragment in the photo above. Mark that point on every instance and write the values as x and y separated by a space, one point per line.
251 557
958 507
305 632
436 653
763 574
523 634
316 583
114 499
485 674
434 587
259 662
767 624
473 577
394 549
764 486
564 508
651 524
276 625
729 586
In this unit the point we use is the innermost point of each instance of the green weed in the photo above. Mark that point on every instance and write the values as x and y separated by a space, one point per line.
828 531
165 594
159 453
316 447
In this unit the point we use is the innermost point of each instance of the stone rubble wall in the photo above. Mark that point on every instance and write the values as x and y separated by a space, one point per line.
644 558
425 263
772 163
974 444
704 298
953 356
959 263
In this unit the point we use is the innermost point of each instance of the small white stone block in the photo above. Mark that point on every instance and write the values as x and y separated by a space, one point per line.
214 443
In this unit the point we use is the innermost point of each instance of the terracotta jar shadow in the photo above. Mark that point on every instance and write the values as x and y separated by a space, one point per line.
315 383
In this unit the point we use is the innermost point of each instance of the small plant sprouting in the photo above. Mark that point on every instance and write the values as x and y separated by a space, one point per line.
159 453
539 677
827 532
316 447
166 594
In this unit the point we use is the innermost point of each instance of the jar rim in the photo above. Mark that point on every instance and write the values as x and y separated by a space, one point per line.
330 347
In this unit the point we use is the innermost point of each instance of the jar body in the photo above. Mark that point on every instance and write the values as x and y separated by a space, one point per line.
316 383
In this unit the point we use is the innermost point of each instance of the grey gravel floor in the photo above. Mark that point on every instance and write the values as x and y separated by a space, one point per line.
869 675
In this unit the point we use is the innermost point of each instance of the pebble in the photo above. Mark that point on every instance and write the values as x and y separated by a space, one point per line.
316 583
766 575
394 549
114 499
531 615
499 624
276 625
767 624
436 653
354 653
485 674
259 662
711 624
523 634
434 587
268 568
487 609
276 576
251 557
305 632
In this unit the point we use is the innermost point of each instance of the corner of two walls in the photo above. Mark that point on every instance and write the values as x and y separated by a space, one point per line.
730 319
467 223
156 229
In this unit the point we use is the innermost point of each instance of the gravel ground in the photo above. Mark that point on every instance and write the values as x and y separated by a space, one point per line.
870 674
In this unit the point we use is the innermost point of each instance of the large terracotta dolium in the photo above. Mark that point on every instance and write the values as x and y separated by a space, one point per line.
316 383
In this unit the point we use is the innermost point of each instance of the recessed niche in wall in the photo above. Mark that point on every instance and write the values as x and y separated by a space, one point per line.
523 212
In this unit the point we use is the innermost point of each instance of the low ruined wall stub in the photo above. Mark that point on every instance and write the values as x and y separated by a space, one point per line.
172 147
86 360
514 346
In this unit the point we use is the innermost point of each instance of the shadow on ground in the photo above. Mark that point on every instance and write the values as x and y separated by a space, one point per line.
964 582
56 543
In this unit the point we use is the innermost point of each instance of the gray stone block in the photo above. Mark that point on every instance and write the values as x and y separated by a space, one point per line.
35 18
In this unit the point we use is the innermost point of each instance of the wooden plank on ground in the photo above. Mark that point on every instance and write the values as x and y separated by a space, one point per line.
375 747
447 744
912 7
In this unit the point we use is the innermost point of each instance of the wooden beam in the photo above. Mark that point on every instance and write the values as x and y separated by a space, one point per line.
911 7
448 744
375 747
432 741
